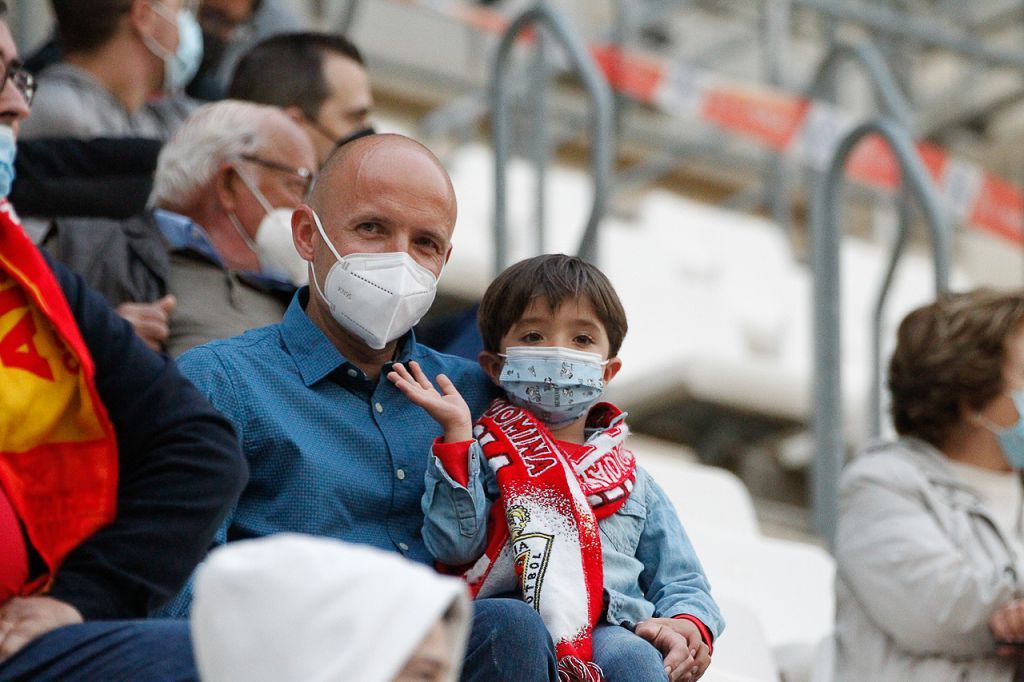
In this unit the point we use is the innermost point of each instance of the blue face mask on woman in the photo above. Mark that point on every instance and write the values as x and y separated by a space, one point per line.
8 150
557 385
1011 439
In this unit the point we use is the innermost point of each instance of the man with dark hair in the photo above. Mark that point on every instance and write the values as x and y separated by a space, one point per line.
118 55
114 472
320 81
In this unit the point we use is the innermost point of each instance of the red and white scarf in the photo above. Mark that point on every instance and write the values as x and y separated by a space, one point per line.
543 535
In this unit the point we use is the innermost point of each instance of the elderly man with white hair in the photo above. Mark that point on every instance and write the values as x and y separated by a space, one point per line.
213 255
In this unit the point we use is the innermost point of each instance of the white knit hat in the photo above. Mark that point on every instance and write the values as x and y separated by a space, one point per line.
295 608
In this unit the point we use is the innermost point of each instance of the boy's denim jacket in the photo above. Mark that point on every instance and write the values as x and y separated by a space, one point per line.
650 566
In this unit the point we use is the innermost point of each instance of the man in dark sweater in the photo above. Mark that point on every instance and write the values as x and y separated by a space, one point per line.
114 471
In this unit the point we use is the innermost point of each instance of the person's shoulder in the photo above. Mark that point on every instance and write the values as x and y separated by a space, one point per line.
646 488
62 107
452 365
237 353
898 463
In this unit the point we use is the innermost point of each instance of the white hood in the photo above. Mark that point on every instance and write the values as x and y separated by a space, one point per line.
295 608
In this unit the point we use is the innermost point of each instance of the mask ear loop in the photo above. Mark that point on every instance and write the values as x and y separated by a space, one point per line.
996 429
242 233
323 235
260 197
150 42
261 200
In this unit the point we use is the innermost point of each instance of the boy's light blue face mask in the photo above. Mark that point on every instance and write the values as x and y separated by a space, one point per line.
557 385
1011 439
8 150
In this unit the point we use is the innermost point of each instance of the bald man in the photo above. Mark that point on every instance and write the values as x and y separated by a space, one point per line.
334 449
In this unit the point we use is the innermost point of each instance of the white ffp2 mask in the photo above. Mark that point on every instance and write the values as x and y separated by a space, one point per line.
376 296
273 243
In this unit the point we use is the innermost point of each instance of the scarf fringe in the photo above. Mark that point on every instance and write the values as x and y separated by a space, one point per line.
572 669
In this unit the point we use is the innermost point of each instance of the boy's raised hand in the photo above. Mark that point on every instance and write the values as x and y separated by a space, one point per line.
447 407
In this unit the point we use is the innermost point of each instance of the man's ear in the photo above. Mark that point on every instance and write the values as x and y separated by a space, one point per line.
225 182
491 364
295 114
303 231
611 369
448 255
140 17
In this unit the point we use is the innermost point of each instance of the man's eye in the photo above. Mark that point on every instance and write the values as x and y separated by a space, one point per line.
368 227
429 244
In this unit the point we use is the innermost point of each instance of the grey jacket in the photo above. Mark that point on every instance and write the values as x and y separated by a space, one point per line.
125 260
70 102
920 568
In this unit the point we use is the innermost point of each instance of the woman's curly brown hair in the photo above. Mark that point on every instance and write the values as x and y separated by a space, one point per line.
949 355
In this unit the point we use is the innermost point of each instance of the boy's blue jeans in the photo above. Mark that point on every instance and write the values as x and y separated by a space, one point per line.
625 657
508 643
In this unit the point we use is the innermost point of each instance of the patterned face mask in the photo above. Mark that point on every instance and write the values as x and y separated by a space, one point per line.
558 385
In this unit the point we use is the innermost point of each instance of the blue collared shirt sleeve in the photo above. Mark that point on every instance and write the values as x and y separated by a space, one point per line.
455 516
673 578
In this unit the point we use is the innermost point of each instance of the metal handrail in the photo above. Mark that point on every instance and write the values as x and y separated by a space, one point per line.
892 100
828 427
894 104
601 126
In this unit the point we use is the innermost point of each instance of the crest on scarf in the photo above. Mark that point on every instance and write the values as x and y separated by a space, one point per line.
531 552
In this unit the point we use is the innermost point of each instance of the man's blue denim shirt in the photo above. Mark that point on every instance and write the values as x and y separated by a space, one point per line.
330 452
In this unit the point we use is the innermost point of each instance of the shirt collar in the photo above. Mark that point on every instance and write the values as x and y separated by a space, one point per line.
316 357
184 235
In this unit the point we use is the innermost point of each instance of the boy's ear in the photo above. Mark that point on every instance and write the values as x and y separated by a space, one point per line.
611 369
491 363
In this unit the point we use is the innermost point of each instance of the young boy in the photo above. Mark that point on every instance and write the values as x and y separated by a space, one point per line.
575 527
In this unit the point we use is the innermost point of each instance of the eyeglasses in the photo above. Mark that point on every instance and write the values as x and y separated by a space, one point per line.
23 80
303 175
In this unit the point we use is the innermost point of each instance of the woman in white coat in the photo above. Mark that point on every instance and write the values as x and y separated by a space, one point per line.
929 551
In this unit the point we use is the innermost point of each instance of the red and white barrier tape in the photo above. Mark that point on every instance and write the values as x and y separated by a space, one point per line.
808 131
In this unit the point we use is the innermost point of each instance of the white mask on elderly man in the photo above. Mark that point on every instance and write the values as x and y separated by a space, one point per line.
273 244
376 296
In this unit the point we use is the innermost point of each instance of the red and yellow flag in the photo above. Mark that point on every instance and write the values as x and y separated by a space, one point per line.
58 451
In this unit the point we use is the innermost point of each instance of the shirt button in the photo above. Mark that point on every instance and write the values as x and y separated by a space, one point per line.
402 546
352 372
379 408
401 474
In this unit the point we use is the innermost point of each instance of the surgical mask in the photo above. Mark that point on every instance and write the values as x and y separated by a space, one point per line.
1011 439
376 296
180 67
273 244
8 151
558 385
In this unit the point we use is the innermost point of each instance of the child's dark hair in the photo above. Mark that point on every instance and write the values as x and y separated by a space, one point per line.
557 278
